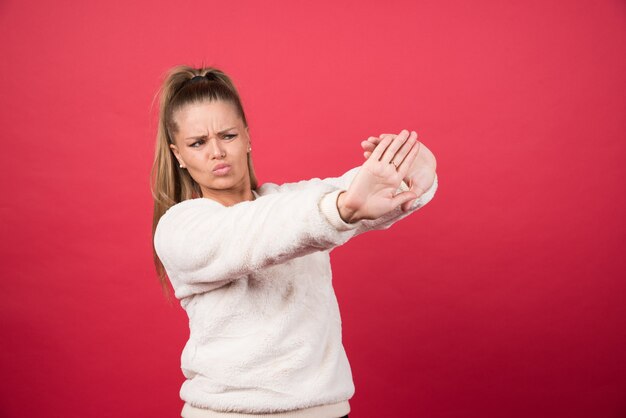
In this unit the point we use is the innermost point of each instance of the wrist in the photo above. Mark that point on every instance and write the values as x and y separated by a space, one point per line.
346 210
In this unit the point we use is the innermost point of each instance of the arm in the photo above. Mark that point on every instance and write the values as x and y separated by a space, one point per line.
342 183
204 245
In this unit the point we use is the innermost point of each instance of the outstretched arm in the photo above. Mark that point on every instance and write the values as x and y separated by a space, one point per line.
204 245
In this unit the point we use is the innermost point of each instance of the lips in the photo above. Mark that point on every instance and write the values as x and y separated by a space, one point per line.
221 169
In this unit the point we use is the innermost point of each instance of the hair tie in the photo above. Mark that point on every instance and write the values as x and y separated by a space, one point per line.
196 79
210 76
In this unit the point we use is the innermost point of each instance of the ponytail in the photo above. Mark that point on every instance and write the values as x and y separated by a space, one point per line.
169 183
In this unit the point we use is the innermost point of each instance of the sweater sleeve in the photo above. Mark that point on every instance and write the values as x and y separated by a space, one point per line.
204 245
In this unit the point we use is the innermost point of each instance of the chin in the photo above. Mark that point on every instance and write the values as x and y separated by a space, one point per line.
224 183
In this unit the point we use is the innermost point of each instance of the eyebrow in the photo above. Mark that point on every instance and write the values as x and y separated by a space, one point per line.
204 136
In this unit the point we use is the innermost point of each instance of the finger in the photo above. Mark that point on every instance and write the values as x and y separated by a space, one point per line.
404 150
395 145
401 198
392 136
407 205
374 140
380 148
367 155
368 146
408 161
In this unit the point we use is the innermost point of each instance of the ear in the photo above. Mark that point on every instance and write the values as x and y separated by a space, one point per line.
177 154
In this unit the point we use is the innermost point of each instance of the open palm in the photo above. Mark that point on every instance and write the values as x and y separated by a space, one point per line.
421 174
372 193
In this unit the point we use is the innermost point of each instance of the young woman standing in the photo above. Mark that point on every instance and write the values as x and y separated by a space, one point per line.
250 264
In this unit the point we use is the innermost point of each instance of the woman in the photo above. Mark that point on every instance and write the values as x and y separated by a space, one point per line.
250 265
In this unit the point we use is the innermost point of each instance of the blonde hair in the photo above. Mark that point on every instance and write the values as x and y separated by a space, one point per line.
169 183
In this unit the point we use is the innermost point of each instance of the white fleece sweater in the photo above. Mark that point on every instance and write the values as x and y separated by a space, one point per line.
255 280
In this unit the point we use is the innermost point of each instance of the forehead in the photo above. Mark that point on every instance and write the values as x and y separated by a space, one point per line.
206 117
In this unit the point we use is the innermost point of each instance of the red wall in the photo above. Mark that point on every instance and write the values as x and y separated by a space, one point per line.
503 297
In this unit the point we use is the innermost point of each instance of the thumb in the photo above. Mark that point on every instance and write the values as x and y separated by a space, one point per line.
407 205
402 198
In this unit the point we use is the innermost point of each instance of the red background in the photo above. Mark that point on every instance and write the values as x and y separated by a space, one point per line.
502 297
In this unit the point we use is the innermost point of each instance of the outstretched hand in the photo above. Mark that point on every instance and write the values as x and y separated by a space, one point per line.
421 174
372 193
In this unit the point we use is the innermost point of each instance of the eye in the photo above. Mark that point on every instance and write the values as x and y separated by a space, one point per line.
200 142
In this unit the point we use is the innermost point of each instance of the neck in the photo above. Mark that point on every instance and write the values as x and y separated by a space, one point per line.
229 197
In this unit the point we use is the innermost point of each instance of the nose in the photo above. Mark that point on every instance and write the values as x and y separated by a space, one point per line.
217 151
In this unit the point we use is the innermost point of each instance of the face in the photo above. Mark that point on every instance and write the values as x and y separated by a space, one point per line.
212 144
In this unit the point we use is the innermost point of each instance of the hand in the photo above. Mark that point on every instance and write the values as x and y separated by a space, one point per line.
421 174
372 193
